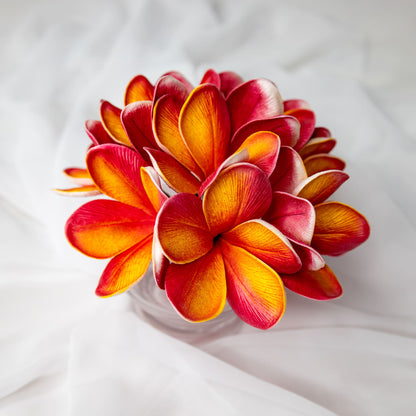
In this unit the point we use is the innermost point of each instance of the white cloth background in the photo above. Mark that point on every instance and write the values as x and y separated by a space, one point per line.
65 352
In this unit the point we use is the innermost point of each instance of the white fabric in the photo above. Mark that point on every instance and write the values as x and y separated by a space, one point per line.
65 352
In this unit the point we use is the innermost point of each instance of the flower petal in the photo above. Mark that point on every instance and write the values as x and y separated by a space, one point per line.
86 190
126 269
266 243
286 127
254 100
198 290
321 284
320 186
173 173
293 216
79 176
211 77
254 290
111 119
307 124
229 81
116 172
240 193
181 78
97 133
295 104
166 127
137 122
321 132
205 127
310 258
289 171
160 263
168 84
320 162
138 89
317 145
152 187
103 228
338 229
182 230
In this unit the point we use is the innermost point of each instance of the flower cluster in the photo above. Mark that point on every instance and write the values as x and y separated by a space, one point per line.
223 187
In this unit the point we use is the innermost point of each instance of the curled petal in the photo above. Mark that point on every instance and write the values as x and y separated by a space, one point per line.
79 176
205 127
111 119
181 78
320 186
160 263
152 187
321 284
254 290
171 86
97 133
240 193
229 81
338 229
307 124
310 258
104 228
295 104
320 162
317 145
138 89
211 77
266 243
289 171
126 269
293 216
321 132
254 100
286 127
86 190
173 173
182 230
116 172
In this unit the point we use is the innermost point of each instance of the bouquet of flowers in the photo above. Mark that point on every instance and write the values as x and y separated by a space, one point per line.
222 187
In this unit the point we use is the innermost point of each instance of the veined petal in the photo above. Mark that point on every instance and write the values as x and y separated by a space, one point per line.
116 172
152 187
295 104
137 121
166 127
138 89
85 190
254 290
254 100
79 176
205 127
198 290
293 216
182 230
286 127
321 132
181 78
173 173
320 186
338 229
229 81
97 133
266 243
307 124
240 193
169 85
111 119
160 263
310 258
321 284
126 269
103 228
317 145
289 171
320 162
211 77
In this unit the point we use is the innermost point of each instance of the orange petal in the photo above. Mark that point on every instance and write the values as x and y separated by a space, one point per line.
79 176
198 290
116 172
240 193
126 269
320 186
138 89
266 243
321 284
317 145
173 173
205 127
111 119
86 190
254 290
166 128
338 229
182 230
104 228
320 162
152 187
97 133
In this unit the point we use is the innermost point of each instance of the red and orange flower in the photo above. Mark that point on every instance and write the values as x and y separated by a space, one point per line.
224 187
